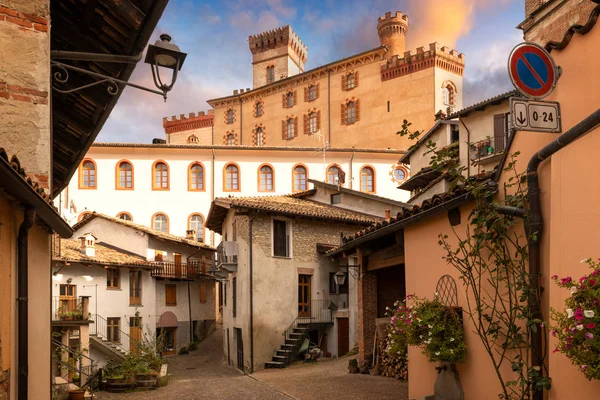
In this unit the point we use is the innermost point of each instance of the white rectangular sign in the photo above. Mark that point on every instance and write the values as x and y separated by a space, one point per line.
534 115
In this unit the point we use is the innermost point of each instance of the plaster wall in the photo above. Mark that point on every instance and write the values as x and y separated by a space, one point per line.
421 157
24 85
179 204
123 237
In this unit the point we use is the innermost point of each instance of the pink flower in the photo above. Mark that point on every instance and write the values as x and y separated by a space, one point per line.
592 282
596 272
583 278
591 325
555 350
579 314
542 325
555 277
408 320
554 333
566 280
589 335
394 319
584 367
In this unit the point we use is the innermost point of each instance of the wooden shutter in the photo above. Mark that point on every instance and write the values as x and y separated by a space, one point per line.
499 132
357 109
295 97
296 127
171 295
306 123
284 129
356 79
317 90
344 82
343 116
305 94
202 292
283 101
318 120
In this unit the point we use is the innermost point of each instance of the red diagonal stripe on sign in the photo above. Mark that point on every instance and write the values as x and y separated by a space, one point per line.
532 70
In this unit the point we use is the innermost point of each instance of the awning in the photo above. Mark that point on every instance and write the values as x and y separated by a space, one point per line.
167 320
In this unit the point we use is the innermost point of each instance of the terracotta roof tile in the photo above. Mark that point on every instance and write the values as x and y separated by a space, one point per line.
105 254
16 165
143 228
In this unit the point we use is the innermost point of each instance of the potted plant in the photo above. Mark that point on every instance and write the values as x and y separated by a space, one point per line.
77 394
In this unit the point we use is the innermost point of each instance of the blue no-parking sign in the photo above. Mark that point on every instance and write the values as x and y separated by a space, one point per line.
532 70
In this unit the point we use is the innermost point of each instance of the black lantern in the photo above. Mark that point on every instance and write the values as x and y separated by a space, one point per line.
164 54
340 278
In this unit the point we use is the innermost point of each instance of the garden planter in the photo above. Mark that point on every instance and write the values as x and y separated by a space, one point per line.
447 385
147 381
118 385
77 395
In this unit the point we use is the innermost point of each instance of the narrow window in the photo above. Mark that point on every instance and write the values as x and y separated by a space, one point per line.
300 178
336 198
350 112
333 175
202 292
170 295
259 137
367 180
113 330
231 139
125 175
230 116
312 92
125 216
291 128
158 255
87 175
160 223
270 74
113 278
350 81
197 224
281 239
289 99
265 179
234 296
312 122
196 177
161 176
259 108
388 106
135 287
446 95
232 178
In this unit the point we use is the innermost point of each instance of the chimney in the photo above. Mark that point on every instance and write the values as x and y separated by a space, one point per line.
88 245
190 234
387 214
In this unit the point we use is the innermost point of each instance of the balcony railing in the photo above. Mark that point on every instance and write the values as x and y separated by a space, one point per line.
487 148
173 270
317 311
227 256
70 309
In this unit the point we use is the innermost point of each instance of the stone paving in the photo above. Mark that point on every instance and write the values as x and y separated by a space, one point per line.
204 375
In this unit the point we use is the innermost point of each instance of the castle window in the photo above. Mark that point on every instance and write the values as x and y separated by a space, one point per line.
291 128
289 100
125 216
231 139
196 222
87 175
449 94
312 92
300 178
160 222
260 140
196 177
231 178
367 179
259 108
350 113
230 116
350 81
160 173
312 122
265 179
270 74
193 139
124 175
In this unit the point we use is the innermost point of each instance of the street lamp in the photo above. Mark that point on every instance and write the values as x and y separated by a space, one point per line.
340 278
162 53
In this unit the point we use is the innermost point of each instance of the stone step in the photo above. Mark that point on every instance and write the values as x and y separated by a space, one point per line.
274 364
279 358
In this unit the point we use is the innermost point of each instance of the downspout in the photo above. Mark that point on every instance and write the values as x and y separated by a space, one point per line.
468 146
251 294
351 160
329 107
536 223
212 191
241 122
190 312
22 302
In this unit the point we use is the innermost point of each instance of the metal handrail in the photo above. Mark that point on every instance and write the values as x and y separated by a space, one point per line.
190 270
490 146
100 329
67 309
90 371
223 257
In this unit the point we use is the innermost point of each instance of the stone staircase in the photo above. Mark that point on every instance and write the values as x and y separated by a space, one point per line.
62 388
109 348
289 349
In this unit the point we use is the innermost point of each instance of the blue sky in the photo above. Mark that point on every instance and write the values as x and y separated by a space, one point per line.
215 33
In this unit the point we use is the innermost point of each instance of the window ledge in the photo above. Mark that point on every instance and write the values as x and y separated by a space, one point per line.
283 257
115 289
136 305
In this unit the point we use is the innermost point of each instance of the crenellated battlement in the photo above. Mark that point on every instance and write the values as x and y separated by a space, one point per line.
412 61
389 20
279 37
392 31
190 121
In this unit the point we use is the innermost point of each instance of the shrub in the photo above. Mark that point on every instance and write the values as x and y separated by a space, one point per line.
183 350
193 346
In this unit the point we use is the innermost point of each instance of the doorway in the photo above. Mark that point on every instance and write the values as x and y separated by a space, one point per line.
343 336
135 333
240 348
170 341
304 282
177 258
68 296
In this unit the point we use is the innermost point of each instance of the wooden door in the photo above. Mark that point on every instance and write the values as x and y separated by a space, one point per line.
343 336
135 333
304 295
135 287
68 296
240 348
177 265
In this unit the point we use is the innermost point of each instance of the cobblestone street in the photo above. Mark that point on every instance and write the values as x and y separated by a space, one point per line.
203 375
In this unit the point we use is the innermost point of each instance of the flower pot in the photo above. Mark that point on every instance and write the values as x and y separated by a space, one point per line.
147 381
77 394
447 385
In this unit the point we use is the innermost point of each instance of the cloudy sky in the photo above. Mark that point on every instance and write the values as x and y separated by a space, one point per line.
215 36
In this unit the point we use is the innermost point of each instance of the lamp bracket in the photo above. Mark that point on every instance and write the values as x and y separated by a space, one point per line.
61 75
96 57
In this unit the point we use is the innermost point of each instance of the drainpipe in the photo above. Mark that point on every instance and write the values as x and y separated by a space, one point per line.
22 302
351 159
212 191
329 107
468 147
241 122
536 223
190 312
251 294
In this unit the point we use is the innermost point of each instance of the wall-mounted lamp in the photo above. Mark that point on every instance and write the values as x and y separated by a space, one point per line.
340 278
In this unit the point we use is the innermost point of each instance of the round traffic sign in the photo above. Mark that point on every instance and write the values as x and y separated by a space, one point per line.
532 70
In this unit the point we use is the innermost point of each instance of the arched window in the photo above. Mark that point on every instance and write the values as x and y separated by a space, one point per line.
231 178
87 174
260 140
124 175
367 180
259 108
289 99
333 174
160 176
350 81
231 139
125 216
193 139
312 122
83 215
449 93
300 178
230 116
160 222
196 176
270 74
265 178
290 128
312 92
350 112
196 222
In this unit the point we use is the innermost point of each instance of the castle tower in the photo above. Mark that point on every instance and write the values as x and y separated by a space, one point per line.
276 54
392 32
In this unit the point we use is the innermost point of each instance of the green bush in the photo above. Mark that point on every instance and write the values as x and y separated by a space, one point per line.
183 350
193 346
